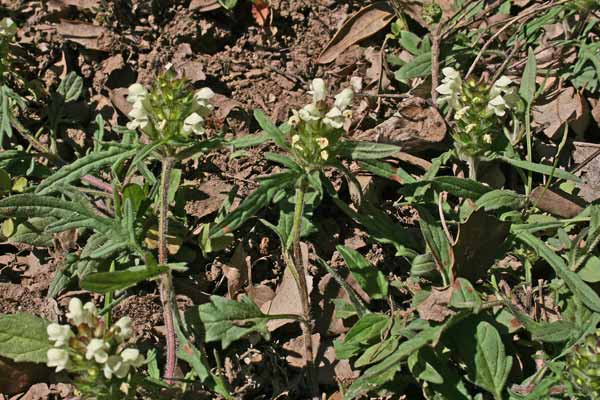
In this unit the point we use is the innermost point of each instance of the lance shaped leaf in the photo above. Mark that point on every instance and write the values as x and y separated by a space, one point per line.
23 338
491 364
368 277
579 288
229 320
366 150
83 166
105 282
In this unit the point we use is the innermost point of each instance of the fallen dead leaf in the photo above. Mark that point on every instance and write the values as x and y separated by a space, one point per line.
79 4
204 5
364 23
556 202
287 297
435 306
295 347
416 126
90 36
260 11
552 115
236 272
588 153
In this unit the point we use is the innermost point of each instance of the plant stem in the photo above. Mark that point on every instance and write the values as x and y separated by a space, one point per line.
108 298
299 275
529 149
166 283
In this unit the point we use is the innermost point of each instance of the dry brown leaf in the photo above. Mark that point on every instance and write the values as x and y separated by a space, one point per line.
206 198
364 23
295 347
287 298
260 11
90 36
416 126
583 152
204 5
564 108
79 4
260 294
556 202
236 272
435 306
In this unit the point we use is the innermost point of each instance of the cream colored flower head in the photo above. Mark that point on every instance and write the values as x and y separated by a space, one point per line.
59 334
318 89
451 87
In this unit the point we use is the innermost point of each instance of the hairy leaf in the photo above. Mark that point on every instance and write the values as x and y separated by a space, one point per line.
23 338
230 320
491 364
366 150
368 277
579 288
83 166
105 282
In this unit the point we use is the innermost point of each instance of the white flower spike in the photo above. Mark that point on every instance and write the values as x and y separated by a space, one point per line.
59 334
318 89
124 331
58 358
343 99
96 349
450 87
193 123
132 357
136 92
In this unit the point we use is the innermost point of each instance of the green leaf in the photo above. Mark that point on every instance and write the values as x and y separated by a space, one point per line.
527 88
228 4
377 352
492 365
437 241
590 272
379 374
459 187
33 232
464 295
270 129
364 333
5 182
31 205
409 41
23 338
385 170
500 199
417 67
104 282
423 365
423 265
71 87
83 166
366 150
249 140
230 320
541 169
368 277
260 198
574 282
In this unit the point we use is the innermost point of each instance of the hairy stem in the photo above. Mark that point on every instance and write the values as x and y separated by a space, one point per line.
166 283
299 275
